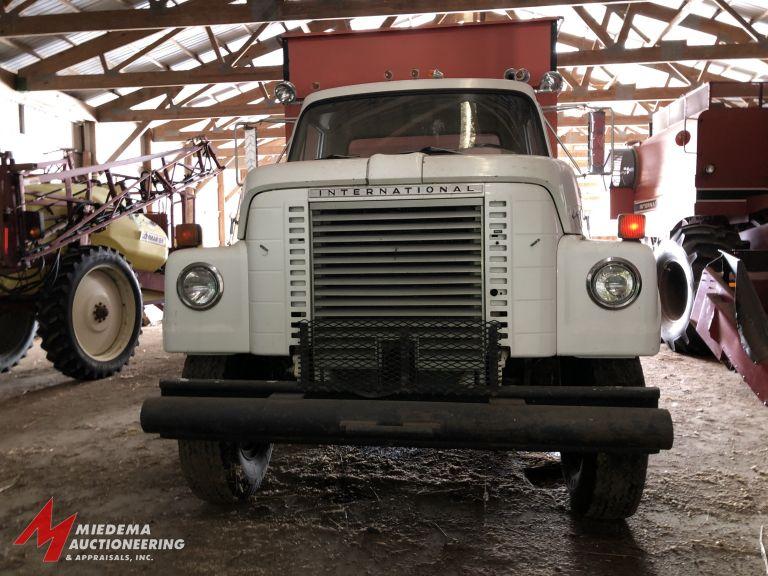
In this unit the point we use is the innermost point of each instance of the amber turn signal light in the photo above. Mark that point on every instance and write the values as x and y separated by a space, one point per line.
34 225
631 226
188 235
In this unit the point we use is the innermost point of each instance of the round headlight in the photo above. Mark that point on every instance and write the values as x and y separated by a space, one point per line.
613 283
285 92
199 286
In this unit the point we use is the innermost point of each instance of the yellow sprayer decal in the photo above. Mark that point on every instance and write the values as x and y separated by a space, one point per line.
152 238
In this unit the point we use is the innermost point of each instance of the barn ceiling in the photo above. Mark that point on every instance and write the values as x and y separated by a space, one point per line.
179 68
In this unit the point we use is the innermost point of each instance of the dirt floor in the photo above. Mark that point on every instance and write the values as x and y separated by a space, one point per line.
340 510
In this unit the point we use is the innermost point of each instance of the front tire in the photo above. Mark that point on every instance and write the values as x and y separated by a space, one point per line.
90 318
606 486
221 473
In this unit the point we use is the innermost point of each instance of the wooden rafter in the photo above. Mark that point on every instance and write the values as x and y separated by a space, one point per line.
171 132
626 26
681 14
598 30
622 92
199 75
36 77
618 120
119 110
748 28
215 73
664 52
192 112
264 11
147 49
214 44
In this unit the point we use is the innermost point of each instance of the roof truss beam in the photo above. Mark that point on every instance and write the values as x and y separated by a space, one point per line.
156 17
748 28
664 52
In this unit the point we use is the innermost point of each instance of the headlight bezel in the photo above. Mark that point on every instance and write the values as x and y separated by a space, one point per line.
216 276
629 266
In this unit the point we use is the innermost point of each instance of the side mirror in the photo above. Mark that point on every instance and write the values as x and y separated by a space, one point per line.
596 142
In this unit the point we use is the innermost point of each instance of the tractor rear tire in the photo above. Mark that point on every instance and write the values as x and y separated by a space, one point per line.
19 327
701 243
606 486
221 473
90 318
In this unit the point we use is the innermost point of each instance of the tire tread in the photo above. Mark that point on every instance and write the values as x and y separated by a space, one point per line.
57 337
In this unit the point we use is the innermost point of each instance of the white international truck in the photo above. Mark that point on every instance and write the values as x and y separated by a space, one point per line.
416 273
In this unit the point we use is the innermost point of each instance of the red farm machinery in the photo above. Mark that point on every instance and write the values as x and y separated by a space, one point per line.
81 252
701 180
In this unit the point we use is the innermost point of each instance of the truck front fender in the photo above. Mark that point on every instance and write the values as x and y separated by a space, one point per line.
586 329
224 328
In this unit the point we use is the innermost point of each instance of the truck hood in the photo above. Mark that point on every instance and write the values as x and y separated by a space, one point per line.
417 168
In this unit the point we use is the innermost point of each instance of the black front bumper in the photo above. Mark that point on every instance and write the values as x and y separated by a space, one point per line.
542 418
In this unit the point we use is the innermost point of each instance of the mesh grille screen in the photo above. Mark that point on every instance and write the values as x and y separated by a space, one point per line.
377 357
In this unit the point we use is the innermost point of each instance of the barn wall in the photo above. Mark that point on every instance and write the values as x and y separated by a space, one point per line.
48 119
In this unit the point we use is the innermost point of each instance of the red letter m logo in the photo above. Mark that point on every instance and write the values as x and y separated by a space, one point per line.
47 532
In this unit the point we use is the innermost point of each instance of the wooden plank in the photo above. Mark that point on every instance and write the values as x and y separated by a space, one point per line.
618 138
200 75
619 120
693 21
622 92
214 44
626 26
665 52
132 99
34 80
748 28
592 24
251 12
163 134
82 52
147 49
93 48
200 112
584 44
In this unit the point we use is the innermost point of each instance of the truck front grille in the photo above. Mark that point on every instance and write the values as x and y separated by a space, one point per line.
397 259
380 357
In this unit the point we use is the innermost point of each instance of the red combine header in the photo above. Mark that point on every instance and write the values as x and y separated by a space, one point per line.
708 195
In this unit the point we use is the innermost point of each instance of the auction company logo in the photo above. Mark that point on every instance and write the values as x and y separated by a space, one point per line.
119 539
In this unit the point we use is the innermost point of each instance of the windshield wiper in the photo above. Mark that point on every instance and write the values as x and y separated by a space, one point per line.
337 157
436 150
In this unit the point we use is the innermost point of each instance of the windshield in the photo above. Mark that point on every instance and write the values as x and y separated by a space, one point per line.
429 122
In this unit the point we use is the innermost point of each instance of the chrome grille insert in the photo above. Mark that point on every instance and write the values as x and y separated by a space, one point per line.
397 259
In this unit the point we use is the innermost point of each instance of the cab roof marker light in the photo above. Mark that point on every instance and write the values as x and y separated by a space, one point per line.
285 92
551 82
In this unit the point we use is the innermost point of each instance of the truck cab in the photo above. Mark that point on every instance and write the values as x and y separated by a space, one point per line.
416 274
